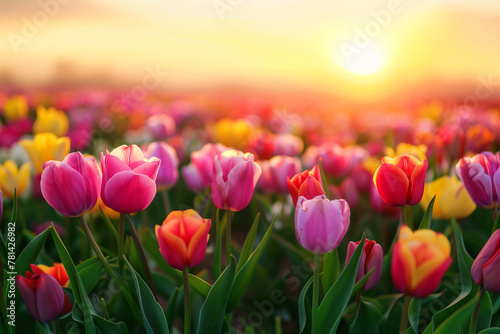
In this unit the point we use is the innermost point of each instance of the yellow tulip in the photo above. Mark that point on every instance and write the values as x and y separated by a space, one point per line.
44 147
451 198
232 133
51 120
12 178
15 108
418 152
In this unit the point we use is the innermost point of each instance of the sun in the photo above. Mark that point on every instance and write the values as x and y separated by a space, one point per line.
365 62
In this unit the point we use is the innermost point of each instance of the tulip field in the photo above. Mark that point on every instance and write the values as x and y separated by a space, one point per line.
235 215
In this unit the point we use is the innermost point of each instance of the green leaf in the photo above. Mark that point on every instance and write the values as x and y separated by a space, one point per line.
426 220
452 318
304 308
496 225
335 301
331 269
495 330
30 252
246 250
323 178
90 272
171 309
197 283
245 274
414 312
108 327
151 311
367 319
361 282
214 309
485 312
77 287
41 328
218 243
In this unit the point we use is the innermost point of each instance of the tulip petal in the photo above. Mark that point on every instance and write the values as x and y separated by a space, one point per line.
477 183
429 283
311 188
417 183
27 289
489 249
374 260
64 189
402 268
198 245
193 178
242 179
128 154
219 186
127 192
173 249
49 298
491 273
392 184
149 168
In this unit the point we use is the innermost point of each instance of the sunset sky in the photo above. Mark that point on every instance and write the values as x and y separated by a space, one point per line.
353 49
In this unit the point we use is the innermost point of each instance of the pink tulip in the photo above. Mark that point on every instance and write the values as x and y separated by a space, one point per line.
337 161
371 258
128 179
320 223
168 173
481 177
276 171
198 174
486 268
288 144
71 186
234 178
160 126
42 294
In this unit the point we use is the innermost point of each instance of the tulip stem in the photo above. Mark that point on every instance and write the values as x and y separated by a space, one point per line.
108 268
314 308
121 232
187 302
404 316
142 256
473 321
218 244
53 328
228 237
404 220
166 201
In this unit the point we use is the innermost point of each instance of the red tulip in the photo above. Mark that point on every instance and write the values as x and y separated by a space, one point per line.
128 180
401 180
183 238
71 186
307 184
42 294
486 267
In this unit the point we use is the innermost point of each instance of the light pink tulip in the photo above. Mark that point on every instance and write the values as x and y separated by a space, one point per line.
288 144
198 174
276 171
160 126
71 186
168 173
128 179
234 178
320 223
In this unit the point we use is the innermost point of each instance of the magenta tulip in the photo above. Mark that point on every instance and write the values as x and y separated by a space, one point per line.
481 177
128 179
372 258
486 268
71 186
168 173
234 178
320 223
198 174
276 171
42 294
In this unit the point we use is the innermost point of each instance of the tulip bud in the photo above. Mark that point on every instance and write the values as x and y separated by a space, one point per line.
198 174
42 294
481 177
183 238
51 120
71 186
307 184
419 261
452 200
372 257
486 267
160 126
168 173
59 273
276 172
401 180
234 178
128 180
320 224
12 177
